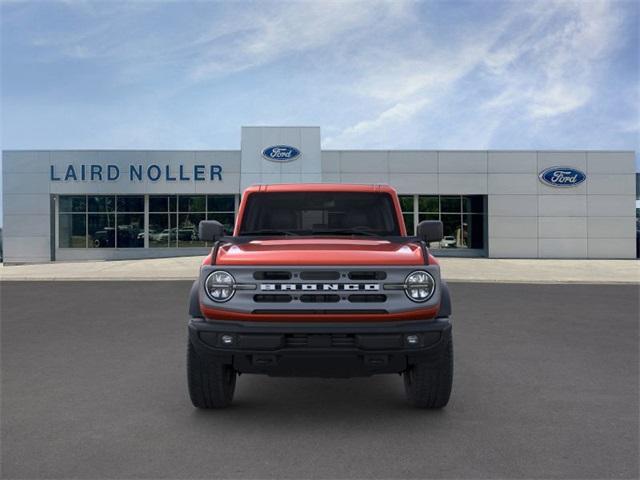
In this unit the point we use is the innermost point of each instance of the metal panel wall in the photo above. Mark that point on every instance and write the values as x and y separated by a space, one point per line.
526 218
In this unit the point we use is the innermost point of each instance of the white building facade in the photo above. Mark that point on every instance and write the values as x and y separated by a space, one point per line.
120 204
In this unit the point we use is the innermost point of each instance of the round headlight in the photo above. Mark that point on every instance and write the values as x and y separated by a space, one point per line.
220 286
419 286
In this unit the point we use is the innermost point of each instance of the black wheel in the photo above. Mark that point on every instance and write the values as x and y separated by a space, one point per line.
211 384
428 384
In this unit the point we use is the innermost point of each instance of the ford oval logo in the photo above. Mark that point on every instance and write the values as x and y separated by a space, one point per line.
281 153
562 177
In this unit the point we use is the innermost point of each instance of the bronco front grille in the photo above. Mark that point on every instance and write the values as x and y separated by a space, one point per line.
326 288
321 290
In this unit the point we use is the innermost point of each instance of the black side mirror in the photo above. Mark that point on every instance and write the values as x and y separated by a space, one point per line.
430 231
210 230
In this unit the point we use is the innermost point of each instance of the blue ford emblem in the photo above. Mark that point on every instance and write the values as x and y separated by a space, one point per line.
562 177
281 153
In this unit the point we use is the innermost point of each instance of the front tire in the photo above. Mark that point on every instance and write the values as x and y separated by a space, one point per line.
428 384
211 384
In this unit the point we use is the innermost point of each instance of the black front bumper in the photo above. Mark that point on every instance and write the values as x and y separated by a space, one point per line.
320 349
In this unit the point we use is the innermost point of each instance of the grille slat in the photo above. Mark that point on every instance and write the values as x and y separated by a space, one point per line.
273 298
320 275
308 298
272 275
367 298
363 275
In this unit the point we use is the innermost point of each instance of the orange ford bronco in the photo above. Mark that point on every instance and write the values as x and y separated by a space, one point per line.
320 280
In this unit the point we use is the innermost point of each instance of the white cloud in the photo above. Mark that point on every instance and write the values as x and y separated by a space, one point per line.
398 113
558 98
229 38
550 68
254 38
375 71
539 59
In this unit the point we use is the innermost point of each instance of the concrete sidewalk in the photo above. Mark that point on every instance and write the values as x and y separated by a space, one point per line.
483 270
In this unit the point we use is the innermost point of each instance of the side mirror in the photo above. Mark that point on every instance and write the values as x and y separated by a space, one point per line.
430 231
210 230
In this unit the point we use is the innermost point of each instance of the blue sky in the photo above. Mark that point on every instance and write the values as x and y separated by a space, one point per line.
402 74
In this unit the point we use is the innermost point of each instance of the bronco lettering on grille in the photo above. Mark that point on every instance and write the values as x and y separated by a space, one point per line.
369 287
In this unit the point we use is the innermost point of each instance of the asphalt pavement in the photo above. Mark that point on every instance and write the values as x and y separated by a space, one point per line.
93 386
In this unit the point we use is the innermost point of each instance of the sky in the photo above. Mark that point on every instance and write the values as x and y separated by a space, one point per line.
372 74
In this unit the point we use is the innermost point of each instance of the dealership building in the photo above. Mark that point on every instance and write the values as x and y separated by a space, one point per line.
68 205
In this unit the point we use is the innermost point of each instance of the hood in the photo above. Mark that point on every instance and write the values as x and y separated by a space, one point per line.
320 251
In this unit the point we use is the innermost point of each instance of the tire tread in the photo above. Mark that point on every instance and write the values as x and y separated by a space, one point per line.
209 386
428 385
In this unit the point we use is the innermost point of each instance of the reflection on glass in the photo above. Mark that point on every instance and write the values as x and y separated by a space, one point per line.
131 203
428 216
158 203
159 232
226 219
110 221
473 204
406 203
220 203
192 203
428 204
101 230
473 226
72 230
408 222
188 229
102 203
73 203
450 204
130 230
452 231
463 218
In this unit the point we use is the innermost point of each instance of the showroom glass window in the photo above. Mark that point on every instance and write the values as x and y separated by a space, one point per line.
174 219
222 209
130 221
101 221
407 207
117 221
163 218
463 218
192 209
72 221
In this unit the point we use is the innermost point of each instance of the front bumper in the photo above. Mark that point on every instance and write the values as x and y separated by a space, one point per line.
320 349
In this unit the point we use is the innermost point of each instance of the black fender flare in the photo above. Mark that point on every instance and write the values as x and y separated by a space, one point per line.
194 301
445 302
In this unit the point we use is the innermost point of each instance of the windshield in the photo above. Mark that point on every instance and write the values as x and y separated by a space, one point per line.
319 213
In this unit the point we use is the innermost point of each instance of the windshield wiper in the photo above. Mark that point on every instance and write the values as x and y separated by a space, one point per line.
347 231
266 231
